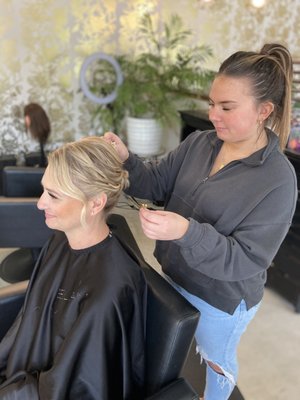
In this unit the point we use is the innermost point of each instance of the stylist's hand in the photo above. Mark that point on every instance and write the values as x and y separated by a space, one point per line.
115 141
163 225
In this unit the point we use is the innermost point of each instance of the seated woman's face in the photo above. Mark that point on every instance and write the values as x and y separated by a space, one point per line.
61 211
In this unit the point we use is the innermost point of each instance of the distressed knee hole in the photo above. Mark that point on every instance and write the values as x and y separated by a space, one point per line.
224 377
215 367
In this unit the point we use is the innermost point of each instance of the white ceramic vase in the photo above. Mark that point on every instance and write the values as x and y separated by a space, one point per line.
144 136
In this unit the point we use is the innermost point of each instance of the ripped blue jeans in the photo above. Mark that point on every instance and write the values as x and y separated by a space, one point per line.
217 336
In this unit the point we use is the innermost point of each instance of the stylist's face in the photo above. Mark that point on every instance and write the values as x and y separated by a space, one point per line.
61 212
232 109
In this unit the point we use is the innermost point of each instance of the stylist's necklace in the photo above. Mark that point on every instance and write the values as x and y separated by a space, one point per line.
226 155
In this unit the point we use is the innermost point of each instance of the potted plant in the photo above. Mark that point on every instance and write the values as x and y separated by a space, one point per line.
155 84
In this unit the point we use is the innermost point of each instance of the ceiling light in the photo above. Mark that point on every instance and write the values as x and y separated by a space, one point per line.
258 3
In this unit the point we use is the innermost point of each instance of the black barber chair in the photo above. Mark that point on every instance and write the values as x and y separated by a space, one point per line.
33 159
22 226
6 159
284 273
171 323
20 182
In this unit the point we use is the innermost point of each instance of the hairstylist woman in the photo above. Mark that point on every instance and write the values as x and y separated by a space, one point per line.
229 196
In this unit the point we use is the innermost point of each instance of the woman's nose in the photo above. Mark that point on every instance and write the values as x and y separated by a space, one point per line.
41 204
213 114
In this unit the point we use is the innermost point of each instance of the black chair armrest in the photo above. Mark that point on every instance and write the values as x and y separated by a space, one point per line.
171 324
180 389
11 300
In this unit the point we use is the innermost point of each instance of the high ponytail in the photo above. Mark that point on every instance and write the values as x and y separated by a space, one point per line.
282 120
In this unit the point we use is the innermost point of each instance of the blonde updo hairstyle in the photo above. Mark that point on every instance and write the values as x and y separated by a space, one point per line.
86 168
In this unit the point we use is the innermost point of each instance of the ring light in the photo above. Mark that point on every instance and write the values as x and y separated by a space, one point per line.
85 87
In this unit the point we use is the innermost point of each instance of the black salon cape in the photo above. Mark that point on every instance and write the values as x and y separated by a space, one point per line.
80 334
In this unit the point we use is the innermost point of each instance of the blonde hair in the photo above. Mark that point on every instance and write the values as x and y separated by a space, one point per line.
270 72
87 168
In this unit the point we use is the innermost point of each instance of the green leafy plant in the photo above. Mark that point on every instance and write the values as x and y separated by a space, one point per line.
169 76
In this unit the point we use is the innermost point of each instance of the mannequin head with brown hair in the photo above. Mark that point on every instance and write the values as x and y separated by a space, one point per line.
38 124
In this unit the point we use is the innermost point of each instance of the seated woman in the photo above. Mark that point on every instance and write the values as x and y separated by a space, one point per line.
80 334
38 124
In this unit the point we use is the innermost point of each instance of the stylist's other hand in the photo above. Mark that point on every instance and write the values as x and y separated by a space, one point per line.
115 141
163 225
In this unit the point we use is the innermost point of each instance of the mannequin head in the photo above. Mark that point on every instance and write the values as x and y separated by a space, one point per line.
37 122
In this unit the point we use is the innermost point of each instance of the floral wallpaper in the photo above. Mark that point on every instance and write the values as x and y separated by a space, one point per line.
44 43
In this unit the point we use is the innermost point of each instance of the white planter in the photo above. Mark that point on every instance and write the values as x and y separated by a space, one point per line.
144 136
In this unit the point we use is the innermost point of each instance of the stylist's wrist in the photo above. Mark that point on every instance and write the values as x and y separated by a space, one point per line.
184 228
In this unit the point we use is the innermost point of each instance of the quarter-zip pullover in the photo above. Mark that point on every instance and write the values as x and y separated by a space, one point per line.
238 217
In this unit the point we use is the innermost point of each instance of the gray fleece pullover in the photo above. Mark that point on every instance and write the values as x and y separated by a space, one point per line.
238 217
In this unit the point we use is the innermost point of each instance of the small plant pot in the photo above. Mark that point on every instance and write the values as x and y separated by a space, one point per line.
144 136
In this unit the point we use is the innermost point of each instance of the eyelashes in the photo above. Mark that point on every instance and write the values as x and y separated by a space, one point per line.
52 195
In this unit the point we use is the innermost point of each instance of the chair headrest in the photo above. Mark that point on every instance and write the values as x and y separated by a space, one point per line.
22 181
22 224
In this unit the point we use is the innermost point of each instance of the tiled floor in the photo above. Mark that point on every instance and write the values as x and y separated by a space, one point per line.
270 349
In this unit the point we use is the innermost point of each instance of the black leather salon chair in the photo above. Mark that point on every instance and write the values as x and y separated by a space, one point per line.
22 226
171 323
284 273
32 159
5 160
22 181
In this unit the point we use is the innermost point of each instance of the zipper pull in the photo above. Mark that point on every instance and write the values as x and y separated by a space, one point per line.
200 183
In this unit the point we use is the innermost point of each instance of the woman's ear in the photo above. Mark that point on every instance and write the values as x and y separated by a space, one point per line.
98 203
265 110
